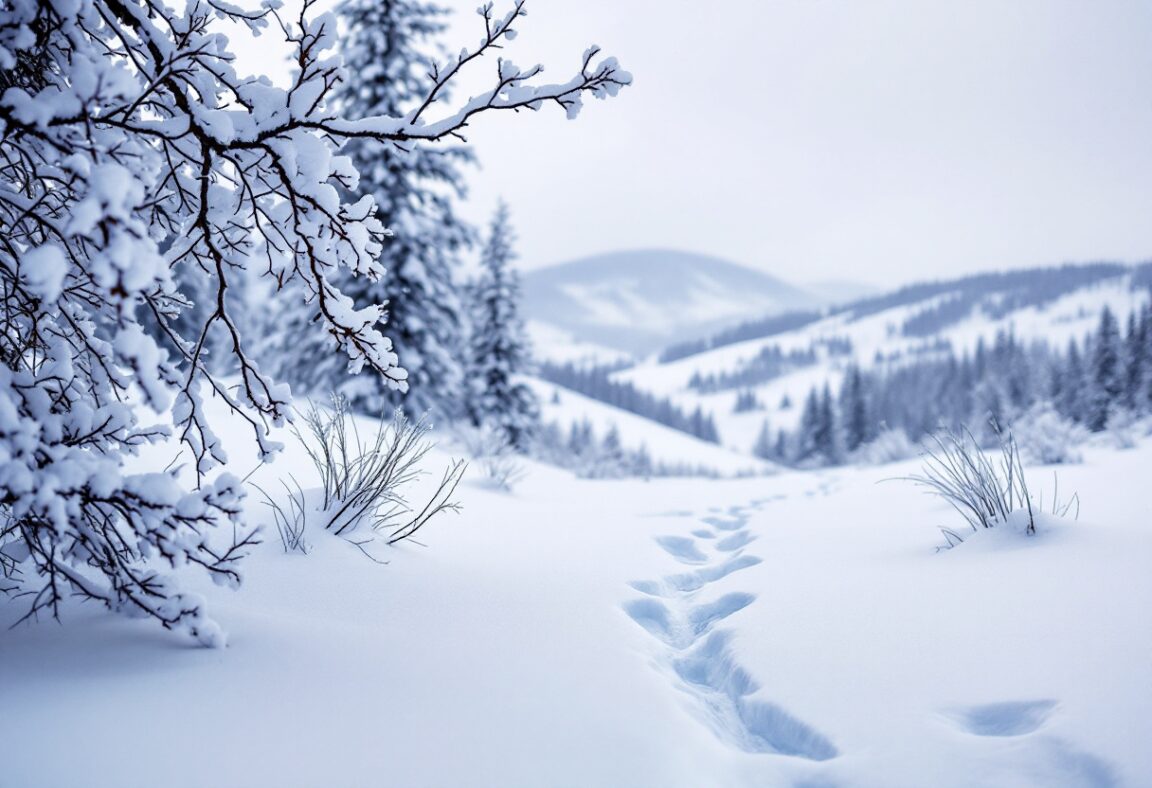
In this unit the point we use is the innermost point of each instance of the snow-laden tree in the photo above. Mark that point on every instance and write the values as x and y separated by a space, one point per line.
1136 361
129 145
763 447
857 425
1106 374
385 48
499 346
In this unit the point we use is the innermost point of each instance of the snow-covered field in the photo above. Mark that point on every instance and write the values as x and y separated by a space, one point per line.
792 630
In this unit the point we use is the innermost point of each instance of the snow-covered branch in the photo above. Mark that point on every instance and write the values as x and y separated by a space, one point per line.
132 154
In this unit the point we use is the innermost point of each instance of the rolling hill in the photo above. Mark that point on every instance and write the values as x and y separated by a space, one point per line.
640 301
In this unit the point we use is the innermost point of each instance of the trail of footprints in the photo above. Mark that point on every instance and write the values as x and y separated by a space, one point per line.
699 659
699 655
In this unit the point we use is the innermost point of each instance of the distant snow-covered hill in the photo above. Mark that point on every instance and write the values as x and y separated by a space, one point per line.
640 301
780 358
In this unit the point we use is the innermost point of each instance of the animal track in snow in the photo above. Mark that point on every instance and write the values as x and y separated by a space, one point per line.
700 657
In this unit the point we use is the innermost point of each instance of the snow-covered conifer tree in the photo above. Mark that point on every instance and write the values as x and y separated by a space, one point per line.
386 53
499 347
826 438
764 448
1070 396
1106 380
854 411
131 145
805 442
1135 363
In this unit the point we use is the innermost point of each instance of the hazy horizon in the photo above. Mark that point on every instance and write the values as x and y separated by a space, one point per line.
914 143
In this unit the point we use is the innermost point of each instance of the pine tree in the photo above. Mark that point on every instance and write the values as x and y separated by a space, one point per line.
763 448
825 439
1106 383
806 436
414 188
499 347
854 411
781 449
1135 363
1146 331
1070 402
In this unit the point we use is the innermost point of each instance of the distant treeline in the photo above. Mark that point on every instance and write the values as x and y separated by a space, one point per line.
596 382
755 329
591 456
1093 382
770 363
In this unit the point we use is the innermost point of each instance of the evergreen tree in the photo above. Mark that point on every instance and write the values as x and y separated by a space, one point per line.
781 449
826 440
746 402
763 448
1146 332
499 347
805 445
854 411
385 49
1070 402
1135 363
612 455
1106 383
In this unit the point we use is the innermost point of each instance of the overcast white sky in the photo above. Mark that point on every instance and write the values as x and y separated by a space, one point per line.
875 140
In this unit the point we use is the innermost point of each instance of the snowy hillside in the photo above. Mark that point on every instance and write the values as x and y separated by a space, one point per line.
640 301
564 407
883 331
556 344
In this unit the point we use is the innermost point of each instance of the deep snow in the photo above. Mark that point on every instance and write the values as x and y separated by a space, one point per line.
625 633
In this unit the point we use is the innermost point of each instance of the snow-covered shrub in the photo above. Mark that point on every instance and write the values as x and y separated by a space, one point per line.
984 492
491 450
132 149
891 445
364 480
1123 428
1047 438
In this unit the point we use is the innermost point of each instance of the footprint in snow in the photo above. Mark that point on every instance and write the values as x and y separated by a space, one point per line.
682 549
726 523
1009 718
1043 759
681 629
689 582
734 542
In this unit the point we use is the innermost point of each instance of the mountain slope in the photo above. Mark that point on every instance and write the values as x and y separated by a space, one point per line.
639 301
1052 305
